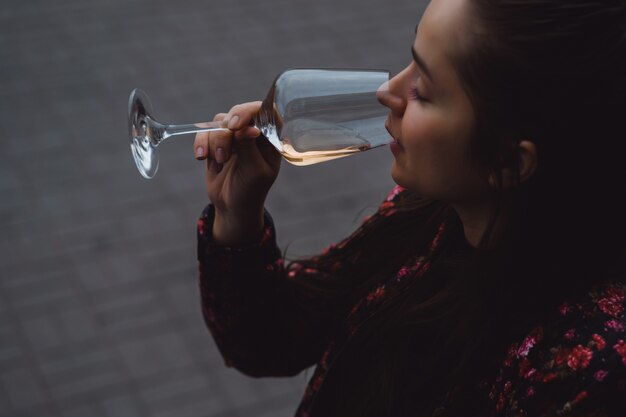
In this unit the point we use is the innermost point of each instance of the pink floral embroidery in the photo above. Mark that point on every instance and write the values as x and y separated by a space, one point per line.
531 340
500 403
580 397
437 238
404 271
529 373
510 356
507 387
549 377
599 341
579 358
565 309
377 294
294 269
616 292
524 366
201 227
386 208
324 360
276 266
600 375
570 335
317 383
612 303
394 192
615 325
620 348
267 235
561 356
328 249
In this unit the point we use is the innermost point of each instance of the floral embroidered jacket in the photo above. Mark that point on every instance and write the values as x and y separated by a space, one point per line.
264 326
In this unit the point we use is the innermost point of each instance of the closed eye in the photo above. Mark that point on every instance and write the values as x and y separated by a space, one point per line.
415 94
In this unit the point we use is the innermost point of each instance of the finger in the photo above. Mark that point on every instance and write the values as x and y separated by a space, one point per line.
220 145
248 132
219 117
201 145
213 169
242 115
201 141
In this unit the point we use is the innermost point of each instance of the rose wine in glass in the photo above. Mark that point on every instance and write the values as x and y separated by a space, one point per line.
308 115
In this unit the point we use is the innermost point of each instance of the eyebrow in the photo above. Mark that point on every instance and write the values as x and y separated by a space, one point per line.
420 63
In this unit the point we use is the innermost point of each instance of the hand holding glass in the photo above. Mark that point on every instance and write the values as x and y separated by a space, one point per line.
309 116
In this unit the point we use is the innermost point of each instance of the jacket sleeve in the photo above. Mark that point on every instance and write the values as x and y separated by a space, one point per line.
263 322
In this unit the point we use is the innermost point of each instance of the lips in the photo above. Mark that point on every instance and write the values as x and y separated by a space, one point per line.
395 140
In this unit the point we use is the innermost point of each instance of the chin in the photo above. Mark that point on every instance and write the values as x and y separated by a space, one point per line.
401 178
396 175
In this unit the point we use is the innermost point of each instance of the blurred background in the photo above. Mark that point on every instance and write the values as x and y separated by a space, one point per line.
99 311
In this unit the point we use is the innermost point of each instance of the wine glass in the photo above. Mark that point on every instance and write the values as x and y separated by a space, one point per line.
309 116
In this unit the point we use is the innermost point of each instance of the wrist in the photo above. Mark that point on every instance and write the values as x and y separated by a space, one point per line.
231 229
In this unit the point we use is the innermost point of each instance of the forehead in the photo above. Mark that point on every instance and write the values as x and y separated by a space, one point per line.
438 35
441 26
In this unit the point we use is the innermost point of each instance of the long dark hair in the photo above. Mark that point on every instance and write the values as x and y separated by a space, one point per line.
548 71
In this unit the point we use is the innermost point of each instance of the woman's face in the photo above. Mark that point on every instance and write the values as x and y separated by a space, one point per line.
431 118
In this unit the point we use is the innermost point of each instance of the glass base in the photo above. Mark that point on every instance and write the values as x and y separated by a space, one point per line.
145 156
141 143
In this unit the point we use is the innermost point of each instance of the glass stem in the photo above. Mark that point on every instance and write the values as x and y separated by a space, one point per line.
173 130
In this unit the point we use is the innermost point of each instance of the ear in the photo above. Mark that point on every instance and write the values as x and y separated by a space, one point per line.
526 152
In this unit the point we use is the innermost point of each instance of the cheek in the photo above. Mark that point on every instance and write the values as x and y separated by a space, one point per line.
423 128
436 162
430 139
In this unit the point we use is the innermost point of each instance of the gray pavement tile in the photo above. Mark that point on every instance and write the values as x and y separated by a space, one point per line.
95 384
122 406
201 407
12 355
180 392
238 389
39 303
80 410
78 325
43 331
139 313
37 411
23 388
154 354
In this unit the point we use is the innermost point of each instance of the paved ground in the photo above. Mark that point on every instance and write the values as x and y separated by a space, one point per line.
98 303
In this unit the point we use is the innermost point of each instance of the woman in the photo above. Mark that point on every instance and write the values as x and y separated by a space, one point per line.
491 281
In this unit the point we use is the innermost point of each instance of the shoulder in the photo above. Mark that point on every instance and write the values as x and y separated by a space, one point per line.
573 365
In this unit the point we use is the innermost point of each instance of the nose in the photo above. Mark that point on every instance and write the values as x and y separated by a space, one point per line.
382 94
389 95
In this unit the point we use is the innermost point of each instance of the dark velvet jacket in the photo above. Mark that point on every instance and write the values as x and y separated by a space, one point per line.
574 363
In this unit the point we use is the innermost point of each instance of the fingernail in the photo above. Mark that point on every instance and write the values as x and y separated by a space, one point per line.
233 122
220 155
199 152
